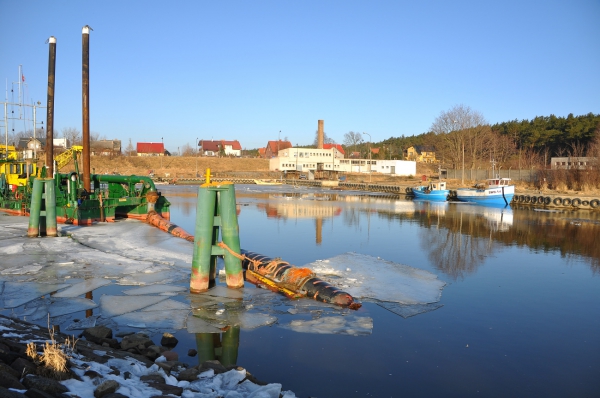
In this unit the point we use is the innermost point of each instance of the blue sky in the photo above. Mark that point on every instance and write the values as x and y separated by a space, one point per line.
247 70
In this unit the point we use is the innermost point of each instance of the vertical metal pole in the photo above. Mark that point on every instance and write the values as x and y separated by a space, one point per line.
33 231
85 80
203 240
50 108
50 208
230 233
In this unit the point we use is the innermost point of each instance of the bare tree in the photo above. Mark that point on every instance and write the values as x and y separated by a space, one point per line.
187 150
130 150
72 135
464 134
326 139
351 139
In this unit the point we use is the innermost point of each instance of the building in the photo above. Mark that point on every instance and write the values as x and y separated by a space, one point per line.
421 153
31 148
314 160
106 148
220 148
273 147
573 163
150 149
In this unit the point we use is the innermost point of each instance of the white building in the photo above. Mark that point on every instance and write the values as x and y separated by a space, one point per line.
311 160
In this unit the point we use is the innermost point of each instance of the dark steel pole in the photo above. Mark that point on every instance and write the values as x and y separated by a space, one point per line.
50 108
85 76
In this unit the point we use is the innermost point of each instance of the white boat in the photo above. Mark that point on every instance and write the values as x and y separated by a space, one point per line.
495 191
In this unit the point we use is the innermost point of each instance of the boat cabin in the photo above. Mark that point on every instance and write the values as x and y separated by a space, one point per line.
498 182
437 186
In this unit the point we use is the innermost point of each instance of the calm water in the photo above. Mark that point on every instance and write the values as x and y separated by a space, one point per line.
520 314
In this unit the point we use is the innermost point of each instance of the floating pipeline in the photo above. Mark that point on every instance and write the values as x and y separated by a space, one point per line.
274 274
287 278
156 220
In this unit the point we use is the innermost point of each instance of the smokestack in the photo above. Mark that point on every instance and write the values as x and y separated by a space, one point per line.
320 135
50 108
85 96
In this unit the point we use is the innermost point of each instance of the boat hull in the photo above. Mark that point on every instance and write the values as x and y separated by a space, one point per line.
490 196
432 195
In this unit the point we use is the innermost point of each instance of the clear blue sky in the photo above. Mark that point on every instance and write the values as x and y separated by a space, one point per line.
246 70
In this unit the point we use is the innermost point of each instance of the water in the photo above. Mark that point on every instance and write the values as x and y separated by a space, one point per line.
518 316
520 311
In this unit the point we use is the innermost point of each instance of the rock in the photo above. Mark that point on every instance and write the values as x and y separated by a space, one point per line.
23 366
8 380
190 374
212 364
92 374
5 393
50 386
171 355
108 387
5 368
152 378
35 393
134 340
192 352
97 333
168 340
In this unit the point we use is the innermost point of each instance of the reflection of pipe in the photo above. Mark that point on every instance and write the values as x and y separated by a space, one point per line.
208 345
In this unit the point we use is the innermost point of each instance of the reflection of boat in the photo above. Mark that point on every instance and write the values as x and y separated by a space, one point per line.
267 182
499 220
434 191
496 191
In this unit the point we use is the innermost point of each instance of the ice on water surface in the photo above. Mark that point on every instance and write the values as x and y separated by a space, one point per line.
117 305
64 306
350 325
168 305
171 319
16 294
154 289
83 287
368 277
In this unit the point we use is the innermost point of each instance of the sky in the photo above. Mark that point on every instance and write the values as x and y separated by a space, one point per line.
255 71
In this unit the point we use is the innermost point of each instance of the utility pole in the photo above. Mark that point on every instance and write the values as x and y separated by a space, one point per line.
370 160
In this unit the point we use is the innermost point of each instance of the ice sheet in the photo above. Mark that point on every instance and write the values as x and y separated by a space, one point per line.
154 289
172 319
70 305
112 306
168 305
16 294
368 277
406 311
83 287
198 325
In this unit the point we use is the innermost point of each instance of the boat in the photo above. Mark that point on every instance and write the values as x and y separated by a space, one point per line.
495 191
435 191
267 182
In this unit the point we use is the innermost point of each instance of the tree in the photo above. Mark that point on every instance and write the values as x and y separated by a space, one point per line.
351 139
130 150
326 139
72 135
187 150
464 135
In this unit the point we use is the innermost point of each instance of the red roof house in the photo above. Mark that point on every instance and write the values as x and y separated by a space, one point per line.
275 146
150 149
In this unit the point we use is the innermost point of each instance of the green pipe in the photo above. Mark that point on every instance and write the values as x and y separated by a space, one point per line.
50 208
147 181
205 345
33 230
230 233
203 240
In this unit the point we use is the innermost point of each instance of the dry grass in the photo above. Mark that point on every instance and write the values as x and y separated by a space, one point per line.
54 358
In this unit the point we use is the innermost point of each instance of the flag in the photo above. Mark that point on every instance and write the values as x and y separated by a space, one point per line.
23 77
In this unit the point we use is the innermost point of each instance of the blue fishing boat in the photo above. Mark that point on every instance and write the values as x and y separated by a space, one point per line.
495 191
435 191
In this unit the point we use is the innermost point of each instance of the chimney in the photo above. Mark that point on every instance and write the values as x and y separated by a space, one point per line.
320 135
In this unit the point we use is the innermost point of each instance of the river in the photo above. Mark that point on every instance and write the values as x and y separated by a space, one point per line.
519 314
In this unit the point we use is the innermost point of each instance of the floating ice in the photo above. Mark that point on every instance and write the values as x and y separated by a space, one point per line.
406 311
150 278
250 320
16 294
372 278
198 325
83 324
154 289
83 287
168 305
22 270
154 319
68 306
350 325
117 305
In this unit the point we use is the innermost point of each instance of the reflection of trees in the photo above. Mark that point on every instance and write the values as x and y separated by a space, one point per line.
454 253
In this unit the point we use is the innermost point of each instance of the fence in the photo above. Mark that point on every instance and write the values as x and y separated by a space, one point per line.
483 174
